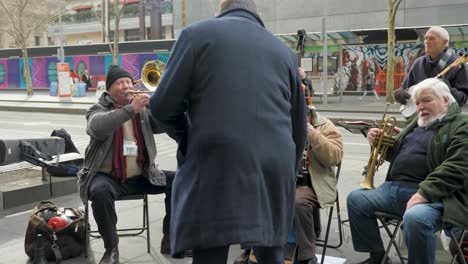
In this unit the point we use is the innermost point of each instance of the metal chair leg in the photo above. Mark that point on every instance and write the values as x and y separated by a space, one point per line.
86 230
139 230
459 252
392 236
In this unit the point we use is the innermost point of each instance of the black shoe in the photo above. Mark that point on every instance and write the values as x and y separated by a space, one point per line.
166 248
309 261
166 245
243 257
188 253
111 256
370 261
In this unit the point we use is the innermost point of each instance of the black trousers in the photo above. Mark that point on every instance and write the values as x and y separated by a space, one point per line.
103 192
306 203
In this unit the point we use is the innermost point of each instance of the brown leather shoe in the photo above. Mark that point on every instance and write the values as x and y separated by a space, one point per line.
111 256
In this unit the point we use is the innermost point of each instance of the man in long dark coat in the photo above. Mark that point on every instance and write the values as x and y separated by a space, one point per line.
231 97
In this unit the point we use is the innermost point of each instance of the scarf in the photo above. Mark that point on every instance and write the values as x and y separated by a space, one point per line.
119 161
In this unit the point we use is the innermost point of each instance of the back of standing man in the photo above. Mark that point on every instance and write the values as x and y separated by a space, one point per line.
231 97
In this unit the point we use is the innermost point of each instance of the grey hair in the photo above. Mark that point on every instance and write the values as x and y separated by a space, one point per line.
234 4
439 88
443 33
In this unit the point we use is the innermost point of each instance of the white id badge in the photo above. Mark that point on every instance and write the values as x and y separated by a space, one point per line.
130 148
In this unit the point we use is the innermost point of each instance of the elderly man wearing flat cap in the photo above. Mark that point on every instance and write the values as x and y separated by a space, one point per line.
120 158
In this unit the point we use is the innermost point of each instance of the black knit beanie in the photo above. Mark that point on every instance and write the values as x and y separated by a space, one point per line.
114 73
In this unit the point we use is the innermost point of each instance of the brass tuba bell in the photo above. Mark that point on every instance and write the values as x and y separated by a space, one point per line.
150 75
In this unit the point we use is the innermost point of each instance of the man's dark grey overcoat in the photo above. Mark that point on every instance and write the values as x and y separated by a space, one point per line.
231 97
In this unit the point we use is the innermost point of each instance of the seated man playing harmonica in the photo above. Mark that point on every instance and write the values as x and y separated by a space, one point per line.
120 158
427 180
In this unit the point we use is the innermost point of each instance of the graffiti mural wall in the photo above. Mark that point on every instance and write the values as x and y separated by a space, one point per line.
44 69
358 59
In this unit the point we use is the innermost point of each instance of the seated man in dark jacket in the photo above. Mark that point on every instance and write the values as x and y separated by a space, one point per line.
120 158
427 180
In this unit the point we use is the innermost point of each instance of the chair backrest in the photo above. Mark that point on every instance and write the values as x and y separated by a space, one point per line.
338 170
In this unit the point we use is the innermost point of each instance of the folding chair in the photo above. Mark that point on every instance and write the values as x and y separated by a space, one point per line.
126 231
460 255
324 243
390 219
387 220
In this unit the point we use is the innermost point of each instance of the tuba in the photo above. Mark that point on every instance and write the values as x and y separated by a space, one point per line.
150 75
379 150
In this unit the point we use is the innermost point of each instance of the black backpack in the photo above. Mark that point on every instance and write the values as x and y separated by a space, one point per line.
69 168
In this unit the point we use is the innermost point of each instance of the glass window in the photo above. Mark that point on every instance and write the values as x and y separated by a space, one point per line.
132 34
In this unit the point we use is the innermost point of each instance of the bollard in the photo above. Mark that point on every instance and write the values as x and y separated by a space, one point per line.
45 174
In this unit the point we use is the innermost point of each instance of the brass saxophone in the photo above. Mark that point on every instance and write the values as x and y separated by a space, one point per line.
379 150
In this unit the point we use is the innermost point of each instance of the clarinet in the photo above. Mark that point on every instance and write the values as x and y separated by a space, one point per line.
303 177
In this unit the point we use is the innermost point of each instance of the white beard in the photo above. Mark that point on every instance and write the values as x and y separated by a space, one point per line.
429 122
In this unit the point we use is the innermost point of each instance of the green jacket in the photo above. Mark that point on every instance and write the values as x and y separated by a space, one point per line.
447 162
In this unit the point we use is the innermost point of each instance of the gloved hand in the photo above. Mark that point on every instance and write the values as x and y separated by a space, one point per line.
401 96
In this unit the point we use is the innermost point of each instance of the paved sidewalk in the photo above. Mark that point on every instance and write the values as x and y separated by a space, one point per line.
133 250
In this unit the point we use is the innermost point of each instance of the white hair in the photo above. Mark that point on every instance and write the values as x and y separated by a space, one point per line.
435 85
443 33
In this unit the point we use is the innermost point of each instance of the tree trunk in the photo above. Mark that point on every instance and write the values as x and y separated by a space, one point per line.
115 51
26 70
391 52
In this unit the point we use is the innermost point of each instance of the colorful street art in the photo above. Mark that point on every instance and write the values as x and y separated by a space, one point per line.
44 69
358 59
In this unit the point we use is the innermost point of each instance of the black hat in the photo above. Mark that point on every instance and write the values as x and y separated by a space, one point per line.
114 73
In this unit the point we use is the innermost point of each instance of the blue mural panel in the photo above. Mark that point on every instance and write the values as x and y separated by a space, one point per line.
96 65
51 64
13 73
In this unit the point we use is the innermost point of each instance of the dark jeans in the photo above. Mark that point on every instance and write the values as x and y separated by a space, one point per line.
103 192
420 222
219 255
306 203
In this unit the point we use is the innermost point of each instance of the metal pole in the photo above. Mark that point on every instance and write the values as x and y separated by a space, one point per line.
325 53
142 12
341 74
61 50
156 20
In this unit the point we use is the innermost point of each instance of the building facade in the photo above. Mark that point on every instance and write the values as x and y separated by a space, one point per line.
82 23
287 16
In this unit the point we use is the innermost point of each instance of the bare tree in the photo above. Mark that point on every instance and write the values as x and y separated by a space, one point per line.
119 8
25 17
392 10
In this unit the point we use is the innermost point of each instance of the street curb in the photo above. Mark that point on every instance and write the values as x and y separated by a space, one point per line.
38 109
